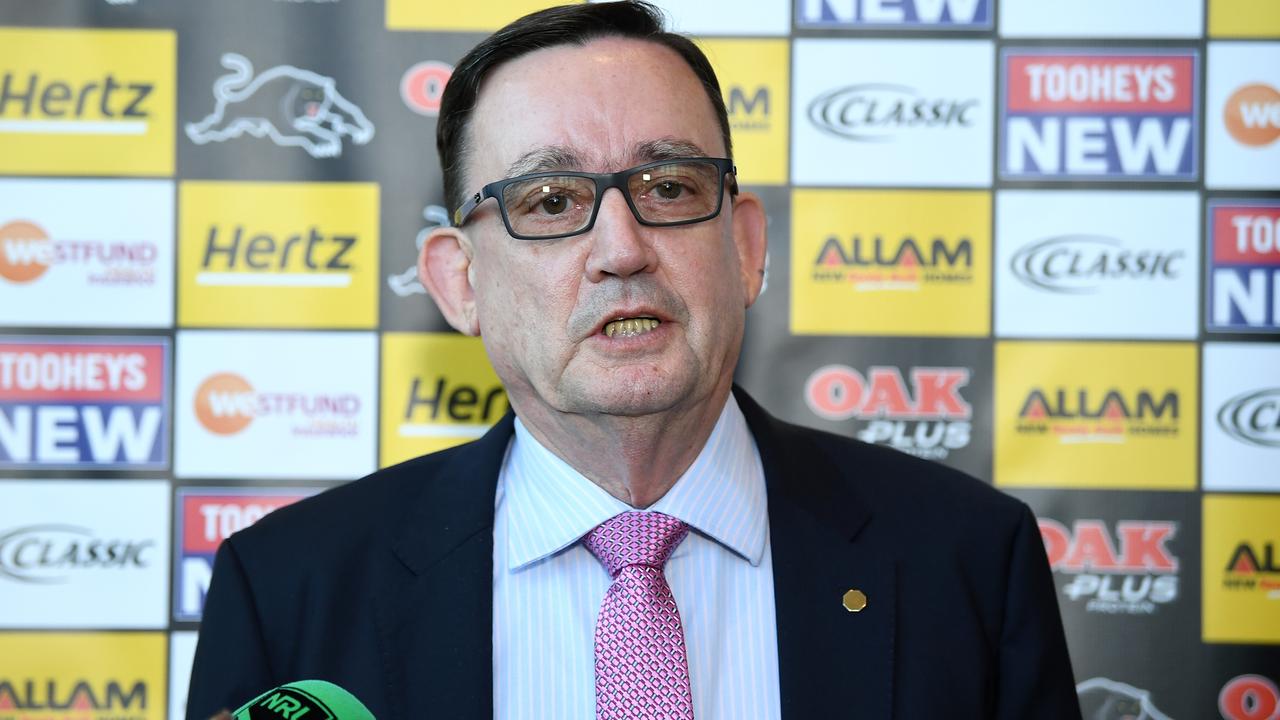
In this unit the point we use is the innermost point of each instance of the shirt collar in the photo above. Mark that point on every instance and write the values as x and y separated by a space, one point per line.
721 495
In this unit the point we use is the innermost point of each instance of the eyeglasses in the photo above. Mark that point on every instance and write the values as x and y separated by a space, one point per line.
546 206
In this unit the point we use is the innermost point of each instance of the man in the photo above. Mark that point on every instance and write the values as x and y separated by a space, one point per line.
603 253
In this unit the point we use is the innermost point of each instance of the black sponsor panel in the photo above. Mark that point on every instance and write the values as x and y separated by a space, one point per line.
928 398
767 319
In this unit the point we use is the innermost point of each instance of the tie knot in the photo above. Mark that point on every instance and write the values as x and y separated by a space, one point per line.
635 538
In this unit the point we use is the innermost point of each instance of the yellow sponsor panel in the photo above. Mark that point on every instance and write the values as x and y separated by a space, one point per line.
82 676
891 262
1244 19
87 102
1241 566
287 255
754 78
465 17
1096 415
438 390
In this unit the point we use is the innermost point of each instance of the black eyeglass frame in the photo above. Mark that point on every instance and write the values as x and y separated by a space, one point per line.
603 182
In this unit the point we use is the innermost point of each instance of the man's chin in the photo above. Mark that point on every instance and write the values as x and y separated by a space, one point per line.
637 398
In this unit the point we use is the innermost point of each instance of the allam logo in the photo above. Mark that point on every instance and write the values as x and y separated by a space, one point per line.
1252 114
27 252
226 403
1079 415
44 694
906 263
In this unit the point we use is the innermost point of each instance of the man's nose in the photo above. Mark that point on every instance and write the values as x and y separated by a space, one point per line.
619 245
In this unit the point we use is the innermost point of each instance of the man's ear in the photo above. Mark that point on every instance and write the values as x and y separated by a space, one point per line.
444 267
750 234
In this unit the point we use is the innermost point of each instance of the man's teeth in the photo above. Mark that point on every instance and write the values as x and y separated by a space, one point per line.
630 327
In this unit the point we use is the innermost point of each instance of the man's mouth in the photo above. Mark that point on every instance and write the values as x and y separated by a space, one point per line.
630 327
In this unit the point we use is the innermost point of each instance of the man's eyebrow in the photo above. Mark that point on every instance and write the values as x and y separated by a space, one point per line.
545 159
666 149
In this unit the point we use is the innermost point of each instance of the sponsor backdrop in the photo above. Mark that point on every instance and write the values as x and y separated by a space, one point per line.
1039 242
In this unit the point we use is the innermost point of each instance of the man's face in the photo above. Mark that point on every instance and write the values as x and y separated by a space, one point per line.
544 307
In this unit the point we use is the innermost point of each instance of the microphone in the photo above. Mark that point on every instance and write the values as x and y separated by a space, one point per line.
304 700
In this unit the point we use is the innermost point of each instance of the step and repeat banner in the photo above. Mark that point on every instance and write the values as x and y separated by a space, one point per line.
1039 242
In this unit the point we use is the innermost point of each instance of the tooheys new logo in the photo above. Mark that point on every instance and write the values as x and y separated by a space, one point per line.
83 402
929 420
883 112
55 553
225 404
1105 115
1092 415
206 517
47 694
35 103
1244 265
1085 263
1129 572
1249 697
906 13
1252 115
1253 567
28 252
874 262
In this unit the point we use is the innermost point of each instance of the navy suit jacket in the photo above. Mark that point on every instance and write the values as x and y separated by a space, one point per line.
385 587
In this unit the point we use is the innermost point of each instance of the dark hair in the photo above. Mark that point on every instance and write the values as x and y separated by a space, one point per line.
563 25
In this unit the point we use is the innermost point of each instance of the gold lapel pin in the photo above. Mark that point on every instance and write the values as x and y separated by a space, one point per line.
855 600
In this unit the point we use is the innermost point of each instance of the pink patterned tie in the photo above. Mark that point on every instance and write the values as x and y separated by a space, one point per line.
642 671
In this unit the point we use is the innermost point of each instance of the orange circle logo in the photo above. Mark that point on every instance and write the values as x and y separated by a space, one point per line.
1252 114
24 251
225 403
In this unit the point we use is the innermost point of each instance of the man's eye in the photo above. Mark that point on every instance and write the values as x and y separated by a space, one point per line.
669 190
554 204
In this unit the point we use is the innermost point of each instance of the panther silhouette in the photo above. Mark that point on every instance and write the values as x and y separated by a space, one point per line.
1103 699
293 107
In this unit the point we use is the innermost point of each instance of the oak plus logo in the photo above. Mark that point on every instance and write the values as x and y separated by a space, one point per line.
1244 265
1075 415
27 253
927 417
906 263
1130 571
226 404
882 112
1084 263
55 553
1111 116
919 14
291 106
1252 114
1249 697
422 86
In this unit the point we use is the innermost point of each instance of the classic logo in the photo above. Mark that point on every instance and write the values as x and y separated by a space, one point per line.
1249 697
49 553
931 14
1253 417
45 694
292 107
930 419
225 404
1244 265
881 112
83 402
1252 115
27 252
1104 699
1132 574
422 86
1075 113
907 263
1083 263
1081 415
205 517
407 284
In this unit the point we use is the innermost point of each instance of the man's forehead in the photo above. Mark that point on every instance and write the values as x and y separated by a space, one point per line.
569 157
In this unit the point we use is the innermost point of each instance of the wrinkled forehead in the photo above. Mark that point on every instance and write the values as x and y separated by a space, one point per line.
604 106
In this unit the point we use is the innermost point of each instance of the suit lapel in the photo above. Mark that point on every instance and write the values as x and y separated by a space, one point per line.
832 662
435 619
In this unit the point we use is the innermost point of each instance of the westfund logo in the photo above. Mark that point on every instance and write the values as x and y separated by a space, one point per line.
1083 263
880 112
1116 115
1129 571
1252 115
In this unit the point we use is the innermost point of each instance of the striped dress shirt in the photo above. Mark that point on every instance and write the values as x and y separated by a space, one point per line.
547 588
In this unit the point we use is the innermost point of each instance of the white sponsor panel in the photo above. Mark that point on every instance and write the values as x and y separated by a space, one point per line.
727 17
1242 108
86 253
182 652
84 554
1241 417
1102 18
892 14
262 405
1095 264
892 112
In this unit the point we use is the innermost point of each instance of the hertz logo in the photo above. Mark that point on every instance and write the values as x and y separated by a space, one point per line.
308 259
44 105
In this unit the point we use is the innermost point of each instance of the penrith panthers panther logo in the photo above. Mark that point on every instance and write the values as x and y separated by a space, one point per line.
293 107
1103 699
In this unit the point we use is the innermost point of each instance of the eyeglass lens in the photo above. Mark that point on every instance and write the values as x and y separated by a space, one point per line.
558 204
